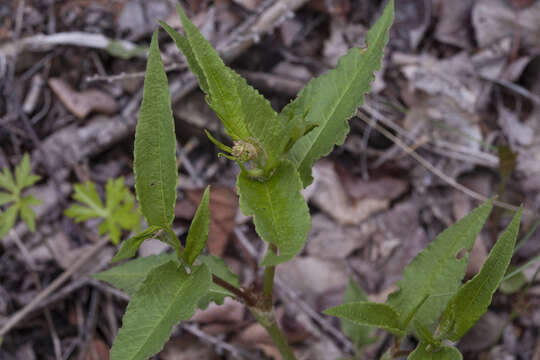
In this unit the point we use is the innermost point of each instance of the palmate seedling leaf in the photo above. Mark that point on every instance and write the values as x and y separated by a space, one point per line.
472 299
360 335
155 170
118 212
216 293
129 276
245 113
425 352
370 314
279 210
14 186
7 220
167 295
198 230
435 274
333 98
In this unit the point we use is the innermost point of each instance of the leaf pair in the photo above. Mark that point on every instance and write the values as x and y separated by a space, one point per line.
20 204
118 212
431 287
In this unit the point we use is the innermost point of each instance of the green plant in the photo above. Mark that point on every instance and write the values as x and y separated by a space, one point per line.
431 302
275 153
20 204
117 213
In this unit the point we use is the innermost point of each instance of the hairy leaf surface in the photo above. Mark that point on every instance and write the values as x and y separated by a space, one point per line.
279 210
331 99
472 299
129 276
155 170
167 295
370 314
422 352
198 230
436 272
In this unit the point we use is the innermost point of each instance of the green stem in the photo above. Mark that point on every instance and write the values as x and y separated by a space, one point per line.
268 282
280 341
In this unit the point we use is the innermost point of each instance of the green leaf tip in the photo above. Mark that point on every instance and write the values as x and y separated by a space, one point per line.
369 313
473 299
130 246
156 175
436 272
198 230
332 99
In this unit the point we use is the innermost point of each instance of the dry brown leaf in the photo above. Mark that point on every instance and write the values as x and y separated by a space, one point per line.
97 350
329 194
82 103
454 26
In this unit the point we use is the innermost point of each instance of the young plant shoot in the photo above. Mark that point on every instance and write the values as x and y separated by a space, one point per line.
276 152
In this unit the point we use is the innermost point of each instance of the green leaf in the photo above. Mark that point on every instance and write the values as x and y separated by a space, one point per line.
216 293
155 170
425 335
130 246
513 283
6 181
428 352
472 299
6 198
117 213
280 212
130 275
27 214
333 98
167 295
245 113
198 230
7 220
23 176
435 274
370 314
360 335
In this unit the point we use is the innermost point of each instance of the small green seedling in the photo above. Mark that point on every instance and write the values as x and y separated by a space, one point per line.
118 212
275 152
12 195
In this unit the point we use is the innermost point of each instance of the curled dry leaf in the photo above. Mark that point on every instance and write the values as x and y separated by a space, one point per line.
82 103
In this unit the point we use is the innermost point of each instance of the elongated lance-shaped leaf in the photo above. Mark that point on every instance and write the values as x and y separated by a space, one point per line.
155 170
370 314
360 335
130 246
245 113
427 352
279 210
130 275
167 295
198 230
472 299
334 97
436 272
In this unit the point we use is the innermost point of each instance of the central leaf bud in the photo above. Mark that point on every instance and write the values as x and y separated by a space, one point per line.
244 150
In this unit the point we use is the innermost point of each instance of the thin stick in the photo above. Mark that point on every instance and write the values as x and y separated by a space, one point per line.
21 314
409 151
